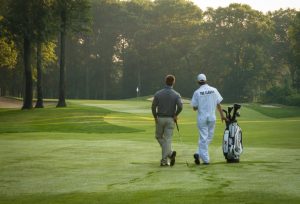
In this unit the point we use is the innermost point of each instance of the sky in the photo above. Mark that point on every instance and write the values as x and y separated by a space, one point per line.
261 5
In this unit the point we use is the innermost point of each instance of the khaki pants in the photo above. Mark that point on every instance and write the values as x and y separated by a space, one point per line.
164 134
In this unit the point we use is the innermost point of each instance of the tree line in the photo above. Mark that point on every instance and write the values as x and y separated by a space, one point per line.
109 49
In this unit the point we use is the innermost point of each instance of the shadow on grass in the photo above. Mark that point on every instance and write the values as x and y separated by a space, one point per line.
74 119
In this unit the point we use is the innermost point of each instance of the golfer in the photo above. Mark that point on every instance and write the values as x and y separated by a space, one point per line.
205 100
166 106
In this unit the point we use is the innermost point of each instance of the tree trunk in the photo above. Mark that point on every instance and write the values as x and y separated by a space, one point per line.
61 99
296 78
27 102
2 91
104 84
39 102
87 90
139 83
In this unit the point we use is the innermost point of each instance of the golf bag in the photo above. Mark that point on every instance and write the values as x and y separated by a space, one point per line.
232 140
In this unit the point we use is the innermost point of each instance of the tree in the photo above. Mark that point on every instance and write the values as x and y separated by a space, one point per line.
74 18
281 49
164 33
20 22
178 32
136 43
31 22
8 60
108 18
8 53
294 35
233 52
45 29
135 52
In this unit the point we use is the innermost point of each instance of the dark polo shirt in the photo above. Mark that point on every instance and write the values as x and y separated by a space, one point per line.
166 103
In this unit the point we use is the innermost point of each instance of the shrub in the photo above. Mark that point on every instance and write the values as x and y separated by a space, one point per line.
293 100
282 95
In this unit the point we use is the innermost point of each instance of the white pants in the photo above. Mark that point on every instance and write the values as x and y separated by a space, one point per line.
206 133
164 134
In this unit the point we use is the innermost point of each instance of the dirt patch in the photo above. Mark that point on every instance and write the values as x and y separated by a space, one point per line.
269 106
10 103
15 103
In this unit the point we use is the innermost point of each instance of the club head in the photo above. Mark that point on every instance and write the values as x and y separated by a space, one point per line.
237 106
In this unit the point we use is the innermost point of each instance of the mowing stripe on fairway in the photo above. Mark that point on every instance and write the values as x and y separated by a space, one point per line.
120 118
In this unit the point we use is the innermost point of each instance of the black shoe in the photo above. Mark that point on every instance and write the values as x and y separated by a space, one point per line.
206 163
196 157
172 158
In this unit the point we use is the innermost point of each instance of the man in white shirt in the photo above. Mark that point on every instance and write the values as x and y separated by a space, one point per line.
205 100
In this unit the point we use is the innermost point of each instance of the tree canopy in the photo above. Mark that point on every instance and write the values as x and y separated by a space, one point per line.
129 44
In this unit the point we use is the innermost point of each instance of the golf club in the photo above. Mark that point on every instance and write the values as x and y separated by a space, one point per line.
179 135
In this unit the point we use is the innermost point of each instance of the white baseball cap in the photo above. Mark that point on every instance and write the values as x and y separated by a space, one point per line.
201 77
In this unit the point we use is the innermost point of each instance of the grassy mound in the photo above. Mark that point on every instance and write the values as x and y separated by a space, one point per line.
73 119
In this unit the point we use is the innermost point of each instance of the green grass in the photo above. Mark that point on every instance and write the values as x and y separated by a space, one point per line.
71 119
105 152
278 111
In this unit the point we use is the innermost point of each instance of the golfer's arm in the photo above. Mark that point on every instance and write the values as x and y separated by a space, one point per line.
179 107
154 107
154 111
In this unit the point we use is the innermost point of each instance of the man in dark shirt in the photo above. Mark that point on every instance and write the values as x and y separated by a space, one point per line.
166 106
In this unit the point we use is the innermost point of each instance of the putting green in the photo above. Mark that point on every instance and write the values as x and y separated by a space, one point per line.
110 156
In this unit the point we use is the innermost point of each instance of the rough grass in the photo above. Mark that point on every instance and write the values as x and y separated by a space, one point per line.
98 164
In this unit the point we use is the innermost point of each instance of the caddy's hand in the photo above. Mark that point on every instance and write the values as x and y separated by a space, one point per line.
224 119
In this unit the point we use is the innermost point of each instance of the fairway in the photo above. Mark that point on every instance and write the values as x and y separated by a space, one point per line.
104 152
